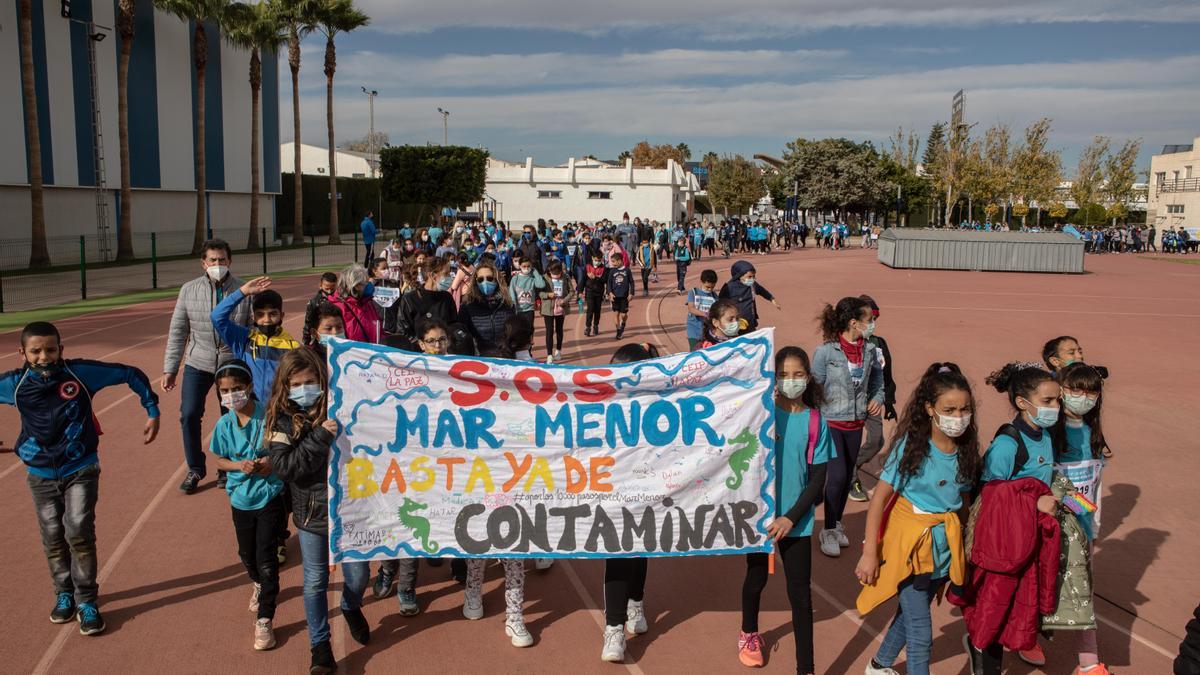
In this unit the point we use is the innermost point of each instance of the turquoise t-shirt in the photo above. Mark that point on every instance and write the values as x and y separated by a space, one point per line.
935 487
236 443
791 463
1002 453
1079 442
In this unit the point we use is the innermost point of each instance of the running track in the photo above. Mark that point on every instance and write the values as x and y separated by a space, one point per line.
174 594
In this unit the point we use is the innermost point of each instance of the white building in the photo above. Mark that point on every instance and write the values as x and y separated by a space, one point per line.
314 160
587 190
1174 198
162 93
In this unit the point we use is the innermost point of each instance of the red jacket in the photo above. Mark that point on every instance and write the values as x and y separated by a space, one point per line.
1014 558
361 318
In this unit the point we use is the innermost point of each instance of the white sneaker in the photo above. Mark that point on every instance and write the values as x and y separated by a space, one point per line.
264 635
473 604
829 543
872 670
557 355
635 617
541 564
514 628
254 595
614 644
550 360
841 536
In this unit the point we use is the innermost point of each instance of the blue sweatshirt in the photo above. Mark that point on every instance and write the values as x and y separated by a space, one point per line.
620 282
59 432
260 352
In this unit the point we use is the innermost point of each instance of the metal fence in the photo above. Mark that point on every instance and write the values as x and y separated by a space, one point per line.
162 260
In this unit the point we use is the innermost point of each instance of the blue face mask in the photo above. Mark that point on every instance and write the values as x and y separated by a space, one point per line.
305 395
324 339
488 287
1045 417
368 290
748 282
444 283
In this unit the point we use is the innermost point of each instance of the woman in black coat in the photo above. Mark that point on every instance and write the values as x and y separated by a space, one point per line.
485 307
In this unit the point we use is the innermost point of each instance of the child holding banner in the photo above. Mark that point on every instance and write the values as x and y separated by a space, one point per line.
625 578
255 493
914 526
299 437
724 323
802 448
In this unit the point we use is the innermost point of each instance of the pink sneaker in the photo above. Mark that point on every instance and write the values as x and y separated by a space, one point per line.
750 650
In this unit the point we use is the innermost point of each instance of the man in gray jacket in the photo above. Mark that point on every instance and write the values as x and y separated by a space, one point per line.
192 339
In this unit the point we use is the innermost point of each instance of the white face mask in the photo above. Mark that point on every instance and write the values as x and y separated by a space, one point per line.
953 426
234 400
217 272
1079 405
793 388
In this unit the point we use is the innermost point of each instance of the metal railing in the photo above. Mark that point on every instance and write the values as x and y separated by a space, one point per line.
1178 185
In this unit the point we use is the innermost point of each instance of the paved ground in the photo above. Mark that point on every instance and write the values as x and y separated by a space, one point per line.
175 595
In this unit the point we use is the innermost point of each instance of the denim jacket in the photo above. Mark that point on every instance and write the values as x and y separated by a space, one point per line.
843 401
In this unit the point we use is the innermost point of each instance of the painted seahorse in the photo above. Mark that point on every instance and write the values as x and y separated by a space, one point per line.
420 526
739 460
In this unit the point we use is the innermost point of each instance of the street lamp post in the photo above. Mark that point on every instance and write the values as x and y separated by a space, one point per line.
445 126
373 149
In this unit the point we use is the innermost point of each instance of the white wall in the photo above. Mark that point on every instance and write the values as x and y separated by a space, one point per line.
315 160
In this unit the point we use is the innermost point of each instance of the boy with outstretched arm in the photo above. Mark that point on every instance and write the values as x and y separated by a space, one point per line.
58 444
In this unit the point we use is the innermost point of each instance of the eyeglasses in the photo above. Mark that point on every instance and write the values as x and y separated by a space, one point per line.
487 278
437 342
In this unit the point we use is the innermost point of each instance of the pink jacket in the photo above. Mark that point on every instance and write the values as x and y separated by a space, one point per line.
361 316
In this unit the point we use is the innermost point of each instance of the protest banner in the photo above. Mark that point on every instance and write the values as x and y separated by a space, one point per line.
470 457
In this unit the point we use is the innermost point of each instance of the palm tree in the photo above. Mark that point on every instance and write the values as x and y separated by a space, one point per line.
125 13
333 17
39 255
256 28
198 12
297 17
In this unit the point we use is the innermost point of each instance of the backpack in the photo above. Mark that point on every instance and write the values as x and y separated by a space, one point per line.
1022 456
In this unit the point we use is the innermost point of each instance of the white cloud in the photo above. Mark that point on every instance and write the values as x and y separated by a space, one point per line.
754 19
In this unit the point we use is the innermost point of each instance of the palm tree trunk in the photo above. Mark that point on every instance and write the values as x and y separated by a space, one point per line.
330 65
200 53
125 226
255 106
297 183
39 255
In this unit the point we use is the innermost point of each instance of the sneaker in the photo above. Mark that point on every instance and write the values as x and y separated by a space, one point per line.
550 360
222 479
514 628
64 609
385 583
974 656
750 650
281 554
1098 669
190 481
635 617
557 355
322 659
614 644
408 603
829 543
620 331
254 595
857 493
587 331
473 604
357 623
840 531
875 669
264 635
90 621
1034 657
543 564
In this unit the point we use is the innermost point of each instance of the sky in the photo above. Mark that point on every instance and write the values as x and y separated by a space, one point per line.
553 79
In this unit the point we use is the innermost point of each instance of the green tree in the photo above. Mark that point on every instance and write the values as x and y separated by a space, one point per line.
735 184
1120 173
39 255
433 175
951 168
298 18
904 147
836 173
1036 169
199 13
333 17
1089 177
684 151
709 160
931 161
255 27
624 155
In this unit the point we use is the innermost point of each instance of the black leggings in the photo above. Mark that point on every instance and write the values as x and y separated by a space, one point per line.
624 580
594 303
839 472
554 331
646 280
797 565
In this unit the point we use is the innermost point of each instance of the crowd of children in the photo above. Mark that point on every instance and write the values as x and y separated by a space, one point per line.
938 523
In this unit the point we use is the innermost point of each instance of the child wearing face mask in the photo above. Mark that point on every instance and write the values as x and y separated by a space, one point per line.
742 288
524 288
325 291
557 299
699 301
299 436
595 287
255 493
915 522
430 301
847 366
723 324
621 289
802 449
262 344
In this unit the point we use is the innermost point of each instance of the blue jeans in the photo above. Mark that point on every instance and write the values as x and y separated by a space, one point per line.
195 387
314 551
911 630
